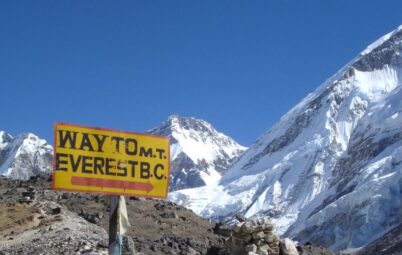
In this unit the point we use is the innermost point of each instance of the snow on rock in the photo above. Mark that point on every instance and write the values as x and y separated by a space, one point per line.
24 156
330 170
199 154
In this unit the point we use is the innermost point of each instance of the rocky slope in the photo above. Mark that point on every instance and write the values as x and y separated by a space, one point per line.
36 220
24 156
329 171
199 154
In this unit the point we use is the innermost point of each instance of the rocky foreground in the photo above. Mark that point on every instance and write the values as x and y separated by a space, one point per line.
37 220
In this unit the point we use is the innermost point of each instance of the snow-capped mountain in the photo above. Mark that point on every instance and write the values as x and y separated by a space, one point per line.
330 170
24 156
199 154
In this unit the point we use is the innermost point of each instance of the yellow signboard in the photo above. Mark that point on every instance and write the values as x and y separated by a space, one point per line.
111 162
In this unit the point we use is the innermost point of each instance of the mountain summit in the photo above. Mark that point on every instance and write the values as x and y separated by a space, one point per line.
330 170
199 154
24 156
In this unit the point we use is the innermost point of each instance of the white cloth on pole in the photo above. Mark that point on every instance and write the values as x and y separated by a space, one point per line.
122 217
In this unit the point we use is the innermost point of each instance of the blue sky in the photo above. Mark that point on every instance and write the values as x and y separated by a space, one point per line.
128 65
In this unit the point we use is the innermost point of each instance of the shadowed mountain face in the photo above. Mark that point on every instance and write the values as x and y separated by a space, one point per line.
388 244
199 154
329 171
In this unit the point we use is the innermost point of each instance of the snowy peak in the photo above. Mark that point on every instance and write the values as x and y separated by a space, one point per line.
388 46
367 79
24 156
199 153
329 171
5 138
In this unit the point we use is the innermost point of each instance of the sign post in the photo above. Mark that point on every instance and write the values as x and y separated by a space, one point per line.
115 237
118 163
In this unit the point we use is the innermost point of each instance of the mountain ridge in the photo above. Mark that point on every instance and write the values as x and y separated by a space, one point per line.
316 161
24 156
199 153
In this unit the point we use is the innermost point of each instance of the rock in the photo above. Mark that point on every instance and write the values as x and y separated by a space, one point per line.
258 235
250 227
247 228
288 247
90 217
191 251
240 217
56 210
237 227
271 238
65 195
253 236
128 245
250 247
236 249
169 215
299 249
311 249
241 239
273 250
264 247
26 200
160 206
222 229
30 194
11 192
99 215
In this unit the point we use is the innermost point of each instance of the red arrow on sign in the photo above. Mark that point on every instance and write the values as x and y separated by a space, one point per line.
103 183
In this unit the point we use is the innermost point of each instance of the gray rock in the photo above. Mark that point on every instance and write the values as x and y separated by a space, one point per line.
250 247
288 247
128 245
258 235
237 227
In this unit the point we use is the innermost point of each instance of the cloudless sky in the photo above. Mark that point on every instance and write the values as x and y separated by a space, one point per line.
128 65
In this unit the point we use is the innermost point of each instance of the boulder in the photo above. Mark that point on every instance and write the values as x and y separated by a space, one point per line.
288 247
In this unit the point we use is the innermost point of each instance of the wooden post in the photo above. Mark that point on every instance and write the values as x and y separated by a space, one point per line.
115 238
